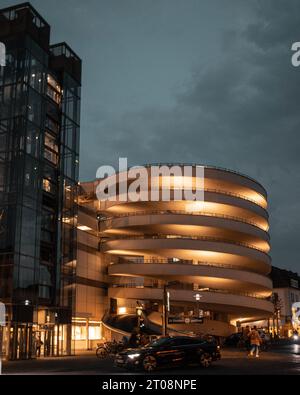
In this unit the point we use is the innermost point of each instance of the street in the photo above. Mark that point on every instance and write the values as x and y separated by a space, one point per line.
281 360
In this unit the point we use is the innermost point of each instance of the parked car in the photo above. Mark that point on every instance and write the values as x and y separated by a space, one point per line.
233 340
169 352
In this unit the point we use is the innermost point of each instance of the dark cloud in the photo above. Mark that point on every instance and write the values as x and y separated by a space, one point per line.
240 111
191 81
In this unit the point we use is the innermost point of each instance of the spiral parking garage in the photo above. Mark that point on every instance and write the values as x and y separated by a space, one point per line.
217 248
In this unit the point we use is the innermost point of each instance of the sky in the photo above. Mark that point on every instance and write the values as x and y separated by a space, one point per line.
201 81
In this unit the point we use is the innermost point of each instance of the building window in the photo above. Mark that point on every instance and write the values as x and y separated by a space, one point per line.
33 141
48 186
36 75
53 89
79 332
51 149
292 297
44 292
294 283
52 125
50 142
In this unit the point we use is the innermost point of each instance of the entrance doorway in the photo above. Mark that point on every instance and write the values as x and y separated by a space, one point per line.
21 342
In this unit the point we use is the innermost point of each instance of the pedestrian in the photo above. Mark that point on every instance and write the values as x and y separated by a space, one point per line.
255 341
246 338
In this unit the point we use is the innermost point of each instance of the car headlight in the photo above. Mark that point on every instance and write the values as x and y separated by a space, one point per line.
295 337
133 356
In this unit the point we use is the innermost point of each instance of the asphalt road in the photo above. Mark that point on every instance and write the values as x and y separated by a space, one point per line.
281 360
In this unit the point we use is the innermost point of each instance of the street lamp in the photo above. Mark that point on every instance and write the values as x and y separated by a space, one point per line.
139 313
166 306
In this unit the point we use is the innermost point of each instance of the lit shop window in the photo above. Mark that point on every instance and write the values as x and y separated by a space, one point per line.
79 332
94 332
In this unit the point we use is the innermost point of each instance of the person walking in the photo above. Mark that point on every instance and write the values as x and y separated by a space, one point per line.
246 338
255 341
39 344
133 340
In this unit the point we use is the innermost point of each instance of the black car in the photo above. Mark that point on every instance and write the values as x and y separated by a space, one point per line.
169 352
233 340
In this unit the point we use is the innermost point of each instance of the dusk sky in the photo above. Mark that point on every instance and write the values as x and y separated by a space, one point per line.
202 81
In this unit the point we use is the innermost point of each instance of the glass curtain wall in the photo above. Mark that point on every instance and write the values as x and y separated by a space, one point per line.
39 159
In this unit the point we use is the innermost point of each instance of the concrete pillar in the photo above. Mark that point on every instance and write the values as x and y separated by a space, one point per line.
87 334
69 339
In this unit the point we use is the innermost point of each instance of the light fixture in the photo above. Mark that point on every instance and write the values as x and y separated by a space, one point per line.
84 228
122 310
133 356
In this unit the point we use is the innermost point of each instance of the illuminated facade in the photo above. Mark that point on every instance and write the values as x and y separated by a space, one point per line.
39 160
91 281
286 287
216 249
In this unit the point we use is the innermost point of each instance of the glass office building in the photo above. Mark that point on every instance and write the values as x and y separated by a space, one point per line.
39 161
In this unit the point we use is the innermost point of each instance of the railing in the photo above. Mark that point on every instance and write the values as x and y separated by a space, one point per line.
13 12
205 190
182 262
115 330
188 287
63 49
179 237
182 212
207 167
221 191
148 165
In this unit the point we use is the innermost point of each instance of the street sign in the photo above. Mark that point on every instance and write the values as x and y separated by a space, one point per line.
176 320
197 320
186 320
